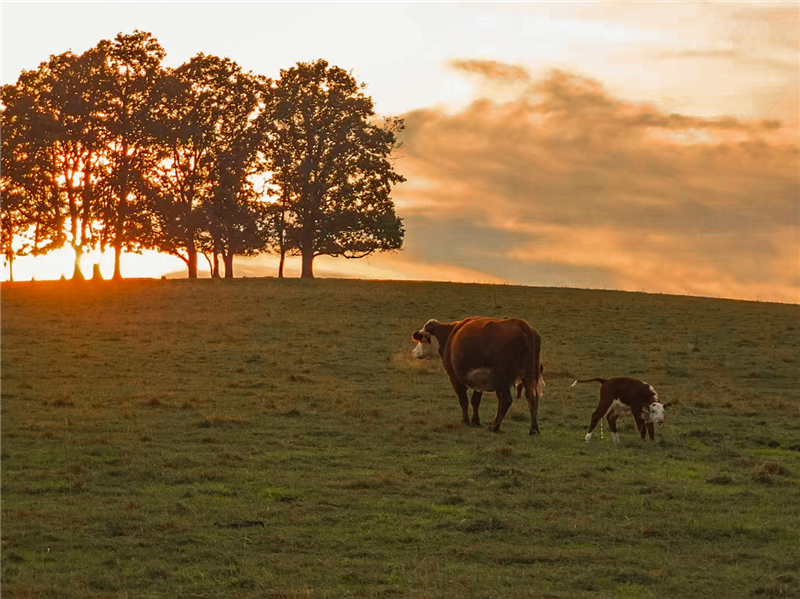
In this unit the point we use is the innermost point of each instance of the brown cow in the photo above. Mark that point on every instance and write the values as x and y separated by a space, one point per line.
625 394
486 354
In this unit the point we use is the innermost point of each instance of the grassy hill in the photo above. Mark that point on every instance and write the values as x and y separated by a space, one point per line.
265 438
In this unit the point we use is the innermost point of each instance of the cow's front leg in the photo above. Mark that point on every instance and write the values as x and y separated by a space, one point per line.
476 405
504 402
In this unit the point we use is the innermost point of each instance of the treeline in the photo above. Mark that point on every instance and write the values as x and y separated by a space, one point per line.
111 149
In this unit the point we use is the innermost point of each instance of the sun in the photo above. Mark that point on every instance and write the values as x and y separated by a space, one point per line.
53 265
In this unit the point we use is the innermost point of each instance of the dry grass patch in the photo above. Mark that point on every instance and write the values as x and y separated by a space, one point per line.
763 472
222 421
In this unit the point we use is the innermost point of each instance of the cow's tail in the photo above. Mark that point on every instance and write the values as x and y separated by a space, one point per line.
601 381
536 357
537 361
534 351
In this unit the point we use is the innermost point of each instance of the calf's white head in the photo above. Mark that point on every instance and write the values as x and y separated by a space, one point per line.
427 344
657 411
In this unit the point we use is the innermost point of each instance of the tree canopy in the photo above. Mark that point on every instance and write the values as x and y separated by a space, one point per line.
111 149
332 165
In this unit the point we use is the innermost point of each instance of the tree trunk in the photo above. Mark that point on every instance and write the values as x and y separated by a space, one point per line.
122 213
96 274
117 276
282 239
215 267
307 251
10 258
227 257
77 275
192 263
308 264
122 210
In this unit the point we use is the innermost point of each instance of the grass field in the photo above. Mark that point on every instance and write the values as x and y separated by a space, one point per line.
265 438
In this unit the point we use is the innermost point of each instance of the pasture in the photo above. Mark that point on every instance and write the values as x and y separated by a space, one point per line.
266 438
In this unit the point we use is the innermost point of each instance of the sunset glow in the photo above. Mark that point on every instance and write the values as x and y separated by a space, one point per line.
637 146
54 265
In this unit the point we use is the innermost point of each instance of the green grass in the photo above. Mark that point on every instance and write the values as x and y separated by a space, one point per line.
264 438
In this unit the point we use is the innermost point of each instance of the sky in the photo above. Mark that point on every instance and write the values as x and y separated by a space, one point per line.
616 145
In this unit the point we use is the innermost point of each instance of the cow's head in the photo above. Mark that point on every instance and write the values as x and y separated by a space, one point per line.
427 343
657 412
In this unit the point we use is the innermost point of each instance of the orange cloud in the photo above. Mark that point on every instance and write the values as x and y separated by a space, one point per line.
491 69
569 185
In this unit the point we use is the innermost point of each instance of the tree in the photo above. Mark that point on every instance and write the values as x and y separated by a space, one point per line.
131 67
54 143
236 219
70 97
18 207
331 163
207 121
80 155
13 222
234 212
16 200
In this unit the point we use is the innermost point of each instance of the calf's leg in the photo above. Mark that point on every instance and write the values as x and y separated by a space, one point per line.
599 413
612 425
640 425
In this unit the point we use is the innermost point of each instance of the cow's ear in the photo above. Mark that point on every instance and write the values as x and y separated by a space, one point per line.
541 368
666 405
432 321
417 336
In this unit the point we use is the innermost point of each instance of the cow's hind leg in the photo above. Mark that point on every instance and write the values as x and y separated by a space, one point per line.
461 391
476 404
533 404
504 402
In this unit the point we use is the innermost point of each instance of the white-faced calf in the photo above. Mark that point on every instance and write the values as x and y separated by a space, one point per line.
625 394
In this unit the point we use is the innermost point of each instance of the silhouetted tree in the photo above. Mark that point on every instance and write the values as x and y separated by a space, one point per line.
233 210
332 165
13 221
131 68
206 119
56 144
108 149
17 177
73 98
